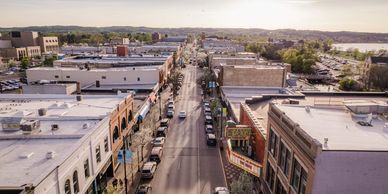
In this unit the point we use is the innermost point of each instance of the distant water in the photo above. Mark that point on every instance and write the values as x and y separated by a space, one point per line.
363 47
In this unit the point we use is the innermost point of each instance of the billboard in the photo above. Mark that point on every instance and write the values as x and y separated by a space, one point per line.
237 132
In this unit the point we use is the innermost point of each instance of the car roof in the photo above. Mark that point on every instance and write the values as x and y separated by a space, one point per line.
159 138
165 120
211 136
208 117
156 150
149 165
162 128
209 126
182 111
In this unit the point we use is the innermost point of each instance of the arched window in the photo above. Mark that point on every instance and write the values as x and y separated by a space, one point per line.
75 182
67 187
115 134
130 116
123 124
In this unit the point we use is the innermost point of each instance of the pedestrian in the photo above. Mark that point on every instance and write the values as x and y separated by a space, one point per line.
121 182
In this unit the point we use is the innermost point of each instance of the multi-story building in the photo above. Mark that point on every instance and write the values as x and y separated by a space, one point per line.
156 36
61 144
24 39
18 53
253 76
119 41
327 148
49 44
380 62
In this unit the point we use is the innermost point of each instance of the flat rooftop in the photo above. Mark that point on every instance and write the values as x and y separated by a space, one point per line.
110 69
23 157
340 127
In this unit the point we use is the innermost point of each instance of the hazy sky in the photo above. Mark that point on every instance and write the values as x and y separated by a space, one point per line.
330 15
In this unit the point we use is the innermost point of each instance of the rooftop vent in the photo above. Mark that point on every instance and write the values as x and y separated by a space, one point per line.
307 108
42 111
79 98
26 155
326 140
85 125
50 155
54 127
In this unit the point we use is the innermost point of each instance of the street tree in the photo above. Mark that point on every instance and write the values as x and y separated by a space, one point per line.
242 185
25 62
378 77
204 80
173 80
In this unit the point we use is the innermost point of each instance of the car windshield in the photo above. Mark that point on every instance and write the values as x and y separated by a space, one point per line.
145 171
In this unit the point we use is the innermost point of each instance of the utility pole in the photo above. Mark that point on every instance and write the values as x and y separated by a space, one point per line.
160 106
125 166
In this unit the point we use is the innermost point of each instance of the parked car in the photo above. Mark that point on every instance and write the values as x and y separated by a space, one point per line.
161 132
209 129
158 142
170 102
221 190
171 107
144 189
211 139
208 120
170 114
182 114
156 154
164 122
148 170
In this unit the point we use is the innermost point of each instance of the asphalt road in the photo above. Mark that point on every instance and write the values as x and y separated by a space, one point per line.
188 165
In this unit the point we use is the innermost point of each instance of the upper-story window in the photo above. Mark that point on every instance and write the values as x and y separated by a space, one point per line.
284 159
98 154
270 176
273 142
86 168
67 187
75 182
106 144
299 178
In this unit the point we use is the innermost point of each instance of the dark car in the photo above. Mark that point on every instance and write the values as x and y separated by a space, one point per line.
211 139
209 129
170 114
164 122
161 132
144 189
208 120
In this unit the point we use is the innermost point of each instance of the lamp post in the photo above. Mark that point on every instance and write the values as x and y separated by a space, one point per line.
160 106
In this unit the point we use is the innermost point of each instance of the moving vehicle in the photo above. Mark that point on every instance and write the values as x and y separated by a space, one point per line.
171 107
221 190
158 142
148 170
144 189
211 139
156 154
161 132
182 114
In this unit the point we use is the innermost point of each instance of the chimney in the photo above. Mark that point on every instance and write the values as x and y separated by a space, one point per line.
78 88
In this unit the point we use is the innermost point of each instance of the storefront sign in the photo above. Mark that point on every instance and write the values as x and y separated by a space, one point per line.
244 162
237 132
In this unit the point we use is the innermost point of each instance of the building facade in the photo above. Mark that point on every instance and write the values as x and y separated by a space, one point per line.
49 44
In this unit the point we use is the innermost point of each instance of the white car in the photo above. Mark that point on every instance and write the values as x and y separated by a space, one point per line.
148 170
182 114
158 142
221 190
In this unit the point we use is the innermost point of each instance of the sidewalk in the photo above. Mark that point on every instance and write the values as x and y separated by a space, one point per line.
148 126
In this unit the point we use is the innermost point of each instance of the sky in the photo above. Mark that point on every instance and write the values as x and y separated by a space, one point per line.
326 15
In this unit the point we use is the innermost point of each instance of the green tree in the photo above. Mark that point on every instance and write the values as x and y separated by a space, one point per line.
378 77
243 185
25 62
173 80
348 84
49 61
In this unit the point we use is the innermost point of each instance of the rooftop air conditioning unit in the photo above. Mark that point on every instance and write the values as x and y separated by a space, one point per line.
54 127
30 126
42 111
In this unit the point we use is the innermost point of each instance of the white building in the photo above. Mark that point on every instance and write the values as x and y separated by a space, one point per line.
55 144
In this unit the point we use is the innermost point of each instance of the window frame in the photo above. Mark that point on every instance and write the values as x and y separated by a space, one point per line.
86 168
75 182
98 153
106 144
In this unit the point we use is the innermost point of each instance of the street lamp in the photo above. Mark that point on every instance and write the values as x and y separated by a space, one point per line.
160 106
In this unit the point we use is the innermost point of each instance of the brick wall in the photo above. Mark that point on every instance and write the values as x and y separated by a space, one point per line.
257 141
258 77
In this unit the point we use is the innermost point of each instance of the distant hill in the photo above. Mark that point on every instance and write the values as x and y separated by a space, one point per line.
242 33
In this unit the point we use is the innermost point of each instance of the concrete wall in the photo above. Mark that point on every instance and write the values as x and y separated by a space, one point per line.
146 76
50 89
26 39
49 44
5 44
351 172
252 76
